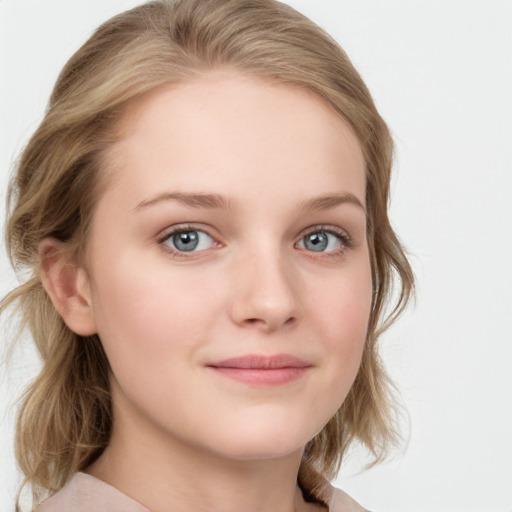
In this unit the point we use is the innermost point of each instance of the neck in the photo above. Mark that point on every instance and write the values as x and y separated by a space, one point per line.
181 477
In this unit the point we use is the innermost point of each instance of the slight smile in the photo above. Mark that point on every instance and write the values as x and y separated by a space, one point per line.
262 370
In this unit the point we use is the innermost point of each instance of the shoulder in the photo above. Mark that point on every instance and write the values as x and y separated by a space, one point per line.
340 501
85 493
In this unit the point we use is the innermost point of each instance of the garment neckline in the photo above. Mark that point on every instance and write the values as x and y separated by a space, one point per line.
82 477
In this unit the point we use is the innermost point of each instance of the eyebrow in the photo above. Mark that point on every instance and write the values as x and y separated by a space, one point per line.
216 201
328 201
196 200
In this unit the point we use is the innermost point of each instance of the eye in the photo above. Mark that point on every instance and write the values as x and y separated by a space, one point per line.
323 241
188 240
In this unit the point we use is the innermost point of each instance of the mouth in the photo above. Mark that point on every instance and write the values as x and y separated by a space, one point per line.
262 370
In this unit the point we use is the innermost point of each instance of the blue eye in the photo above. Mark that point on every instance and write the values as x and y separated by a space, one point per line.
189 240
321 241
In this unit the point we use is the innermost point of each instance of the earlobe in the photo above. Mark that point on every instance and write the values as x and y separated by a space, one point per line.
67 285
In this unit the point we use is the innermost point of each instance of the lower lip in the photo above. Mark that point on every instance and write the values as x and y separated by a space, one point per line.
265 377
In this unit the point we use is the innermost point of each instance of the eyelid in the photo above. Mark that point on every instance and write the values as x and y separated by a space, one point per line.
345 239
167 233
326 228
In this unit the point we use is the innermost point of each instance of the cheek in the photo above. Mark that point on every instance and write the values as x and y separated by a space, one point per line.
344 304
339 312
342 308
147 312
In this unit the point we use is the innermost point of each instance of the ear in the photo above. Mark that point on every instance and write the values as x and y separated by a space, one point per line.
68 287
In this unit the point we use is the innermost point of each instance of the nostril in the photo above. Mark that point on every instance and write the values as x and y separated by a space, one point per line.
268 323
290 320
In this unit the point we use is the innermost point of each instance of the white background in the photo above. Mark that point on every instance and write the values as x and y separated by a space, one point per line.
441 74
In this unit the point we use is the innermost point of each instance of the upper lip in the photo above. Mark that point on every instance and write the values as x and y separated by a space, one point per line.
262 362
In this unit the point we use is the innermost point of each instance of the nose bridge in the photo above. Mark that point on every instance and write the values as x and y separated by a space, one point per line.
265 293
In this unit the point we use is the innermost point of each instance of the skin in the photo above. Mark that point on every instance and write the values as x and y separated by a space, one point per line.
186 437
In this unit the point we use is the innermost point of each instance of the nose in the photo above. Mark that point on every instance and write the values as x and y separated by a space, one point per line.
265 296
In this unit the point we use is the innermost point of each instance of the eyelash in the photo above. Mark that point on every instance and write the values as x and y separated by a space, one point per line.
345 240
183 229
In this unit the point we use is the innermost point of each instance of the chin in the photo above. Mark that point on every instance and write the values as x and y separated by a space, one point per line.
259 444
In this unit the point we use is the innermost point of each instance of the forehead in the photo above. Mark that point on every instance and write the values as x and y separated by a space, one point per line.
224 129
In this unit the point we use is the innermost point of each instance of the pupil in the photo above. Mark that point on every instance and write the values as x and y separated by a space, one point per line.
316 242
186 241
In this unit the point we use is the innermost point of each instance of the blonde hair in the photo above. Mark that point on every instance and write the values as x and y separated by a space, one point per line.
64 422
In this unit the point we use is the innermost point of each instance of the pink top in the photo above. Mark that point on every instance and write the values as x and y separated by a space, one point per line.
85 493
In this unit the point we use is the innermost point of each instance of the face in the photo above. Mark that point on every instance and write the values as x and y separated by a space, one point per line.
228 266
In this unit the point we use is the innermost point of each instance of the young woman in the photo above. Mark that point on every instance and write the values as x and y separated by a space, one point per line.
204 210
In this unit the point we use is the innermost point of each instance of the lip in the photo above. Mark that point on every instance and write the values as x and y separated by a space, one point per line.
257 369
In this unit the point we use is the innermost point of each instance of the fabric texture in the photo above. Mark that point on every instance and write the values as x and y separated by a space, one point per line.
85 493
